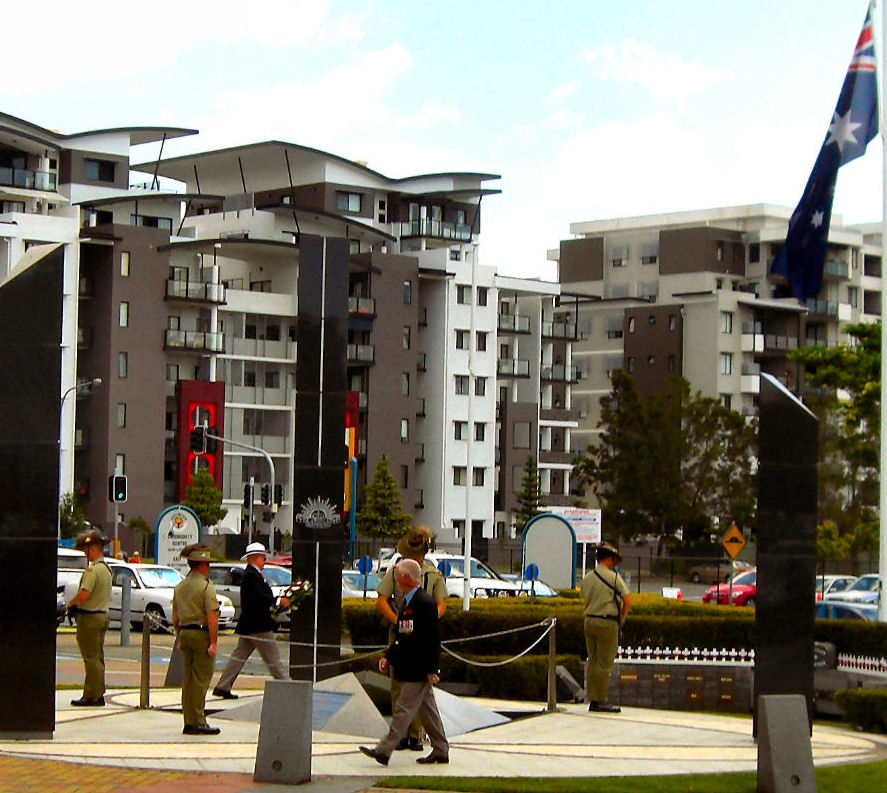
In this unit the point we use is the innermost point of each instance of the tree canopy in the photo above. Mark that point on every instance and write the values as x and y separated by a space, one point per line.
204 498
382 512
672 464
71 518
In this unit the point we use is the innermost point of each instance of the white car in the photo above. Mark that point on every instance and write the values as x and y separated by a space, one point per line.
353 584
226 579
151 591
484 581
71 565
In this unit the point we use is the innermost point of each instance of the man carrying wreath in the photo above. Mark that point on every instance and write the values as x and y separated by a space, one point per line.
256 624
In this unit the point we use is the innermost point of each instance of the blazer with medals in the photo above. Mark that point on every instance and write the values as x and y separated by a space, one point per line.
415 651
256 600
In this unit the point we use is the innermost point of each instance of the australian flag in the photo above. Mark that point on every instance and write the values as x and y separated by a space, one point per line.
853 125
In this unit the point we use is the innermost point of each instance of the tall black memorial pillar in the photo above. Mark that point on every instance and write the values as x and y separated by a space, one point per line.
319 533
30 359
786 556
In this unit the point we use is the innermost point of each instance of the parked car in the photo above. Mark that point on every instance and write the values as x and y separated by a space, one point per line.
484 581
710 572
538 587
61 606
151 591
842 610
865 589
71 565
832 584
353 584
745 590
226 578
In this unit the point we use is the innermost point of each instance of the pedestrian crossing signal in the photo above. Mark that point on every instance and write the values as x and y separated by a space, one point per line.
117 488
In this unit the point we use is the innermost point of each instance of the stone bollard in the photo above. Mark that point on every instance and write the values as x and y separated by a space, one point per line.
283 755
785 755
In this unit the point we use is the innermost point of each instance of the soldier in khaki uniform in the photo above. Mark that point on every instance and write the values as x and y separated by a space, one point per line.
91 607
413 545
607 602
195 617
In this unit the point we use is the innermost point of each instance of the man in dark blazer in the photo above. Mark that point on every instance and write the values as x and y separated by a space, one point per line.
255 625
415 658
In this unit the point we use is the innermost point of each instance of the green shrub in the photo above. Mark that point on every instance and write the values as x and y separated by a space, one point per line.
863 707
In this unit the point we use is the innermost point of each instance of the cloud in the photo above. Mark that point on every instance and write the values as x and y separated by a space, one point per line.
666 77
431 115
562 92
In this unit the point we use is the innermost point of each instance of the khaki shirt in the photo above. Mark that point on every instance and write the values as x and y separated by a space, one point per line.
432 581
600 600
96 579
193 598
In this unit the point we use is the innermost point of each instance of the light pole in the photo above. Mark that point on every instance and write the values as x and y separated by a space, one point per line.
81 384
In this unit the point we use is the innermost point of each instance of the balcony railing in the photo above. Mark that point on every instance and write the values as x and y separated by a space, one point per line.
361 305
826 308
361 353
201 341
559 330
195 290
558 414
837 269
31 180
436 228
780 343
560 373
513 367
513 323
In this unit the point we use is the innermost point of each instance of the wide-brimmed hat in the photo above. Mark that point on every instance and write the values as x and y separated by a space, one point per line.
198 552
415 544
89 537
605 550
254 548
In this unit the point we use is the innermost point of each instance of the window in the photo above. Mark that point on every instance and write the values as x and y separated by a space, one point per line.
726 322
463 295
727 401
460 430
459 528
631 324
121 414
460 217
720 251
122 364
630 364
406 337
726 363
651 359
651 319
124 264
853 296
172 373
407 292
672 321
404 476
521 435
480 430
480 386
348 202
272 379
404 430
461 339
482 295
120 464
405 383
477 477
460 475
672 363
99 170
455 255
649 254
150 221
174 322
124 314
754 253
481 345
461 384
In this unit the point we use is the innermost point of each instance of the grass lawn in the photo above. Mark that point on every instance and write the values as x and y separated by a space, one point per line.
846 778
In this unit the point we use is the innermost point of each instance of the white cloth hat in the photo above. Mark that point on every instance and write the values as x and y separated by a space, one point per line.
253 548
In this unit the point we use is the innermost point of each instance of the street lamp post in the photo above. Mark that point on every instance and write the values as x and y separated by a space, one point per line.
81 384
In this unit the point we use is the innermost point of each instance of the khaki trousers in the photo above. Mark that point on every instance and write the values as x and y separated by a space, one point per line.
91 629
416 698
602 643
198 671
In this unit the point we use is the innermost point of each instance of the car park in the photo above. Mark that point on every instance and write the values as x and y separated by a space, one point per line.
353 584
841 610
744 592
226 578
865 589
827 585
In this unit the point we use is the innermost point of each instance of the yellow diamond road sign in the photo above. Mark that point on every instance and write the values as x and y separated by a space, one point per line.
733 541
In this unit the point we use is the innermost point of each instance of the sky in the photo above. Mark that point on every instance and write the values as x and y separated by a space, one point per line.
588 110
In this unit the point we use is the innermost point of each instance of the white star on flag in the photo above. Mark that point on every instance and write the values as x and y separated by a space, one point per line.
816 219
841 130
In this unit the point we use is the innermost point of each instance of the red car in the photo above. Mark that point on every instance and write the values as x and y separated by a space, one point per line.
745 590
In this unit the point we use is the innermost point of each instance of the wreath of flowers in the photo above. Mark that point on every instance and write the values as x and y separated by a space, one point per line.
299 590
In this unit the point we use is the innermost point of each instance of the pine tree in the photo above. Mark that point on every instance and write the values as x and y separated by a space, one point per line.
530 499
204 498
382 512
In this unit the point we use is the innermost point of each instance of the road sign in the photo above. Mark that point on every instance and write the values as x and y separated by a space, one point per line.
733 541
365 564
445 568
532 572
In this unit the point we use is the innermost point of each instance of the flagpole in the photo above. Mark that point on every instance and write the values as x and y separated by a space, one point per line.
882 549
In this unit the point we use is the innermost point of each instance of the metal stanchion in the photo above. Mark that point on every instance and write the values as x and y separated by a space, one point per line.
125 606
145 679
552 663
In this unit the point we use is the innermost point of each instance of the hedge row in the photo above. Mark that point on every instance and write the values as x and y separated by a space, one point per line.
864 707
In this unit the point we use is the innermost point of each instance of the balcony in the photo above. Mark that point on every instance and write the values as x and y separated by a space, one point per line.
30 180
822 308
436 228
361 354
513 323
559 330
835 269
559 414
775 343
195 340
196 292
556 458
420 406
560 373
512 367
362 306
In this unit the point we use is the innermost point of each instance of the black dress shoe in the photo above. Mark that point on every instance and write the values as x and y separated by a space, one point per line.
220 692
603 707
200 729
415 744
380 758
433 758
404 744
89 702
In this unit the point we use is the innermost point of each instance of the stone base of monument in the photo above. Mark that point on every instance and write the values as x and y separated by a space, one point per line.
175 670
785 755
283 755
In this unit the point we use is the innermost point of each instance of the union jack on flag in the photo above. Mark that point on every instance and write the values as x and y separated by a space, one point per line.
854 123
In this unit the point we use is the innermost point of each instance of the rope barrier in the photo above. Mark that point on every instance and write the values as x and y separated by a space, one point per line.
521 654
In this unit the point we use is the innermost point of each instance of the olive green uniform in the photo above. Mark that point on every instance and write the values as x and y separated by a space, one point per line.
602 614
433 583
92 624
193 599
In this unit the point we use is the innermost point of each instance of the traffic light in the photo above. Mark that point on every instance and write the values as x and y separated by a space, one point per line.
278 494
267 516
198 440
266 495
212 444
247 496
116 488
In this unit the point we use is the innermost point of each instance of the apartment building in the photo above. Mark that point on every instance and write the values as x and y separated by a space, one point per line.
689 293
